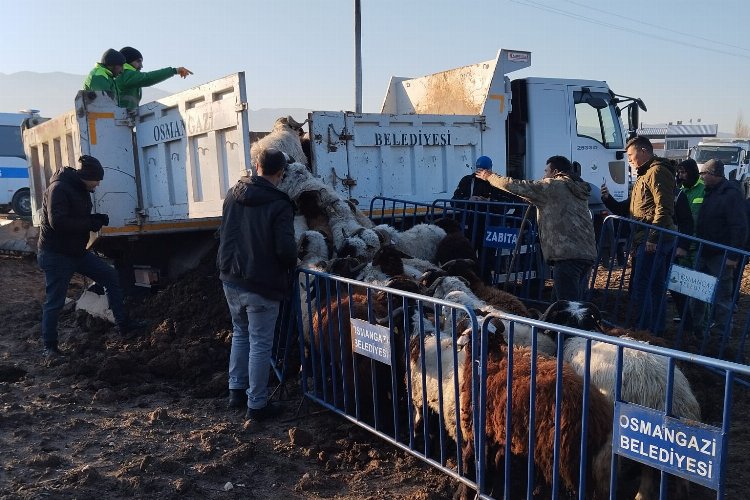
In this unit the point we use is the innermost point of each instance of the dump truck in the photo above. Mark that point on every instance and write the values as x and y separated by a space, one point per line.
431 129
166 171
169 165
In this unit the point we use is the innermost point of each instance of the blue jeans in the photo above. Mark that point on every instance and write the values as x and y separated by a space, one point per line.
649 285
254 323
571 278
58 271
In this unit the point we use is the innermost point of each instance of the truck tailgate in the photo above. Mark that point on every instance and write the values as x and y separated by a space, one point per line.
415 157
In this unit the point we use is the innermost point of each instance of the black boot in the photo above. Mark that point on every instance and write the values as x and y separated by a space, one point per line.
237 398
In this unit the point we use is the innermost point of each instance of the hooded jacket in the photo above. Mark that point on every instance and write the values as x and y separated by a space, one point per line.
257 249
100 78
651 201
565 225
130 82
66 214
722 217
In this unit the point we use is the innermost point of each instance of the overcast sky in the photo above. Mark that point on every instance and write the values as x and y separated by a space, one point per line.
687 59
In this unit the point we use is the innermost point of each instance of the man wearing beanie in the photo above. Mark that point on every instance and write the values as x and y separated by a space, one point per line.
721 219
102 77
132 79
66 223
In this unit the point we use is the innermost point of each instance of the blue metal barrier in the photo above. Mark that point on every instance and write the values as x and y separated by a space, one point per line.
504 235
688 299
381 358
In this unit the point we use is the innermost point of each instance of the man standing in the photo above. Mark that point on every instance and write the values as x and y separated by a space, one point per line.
65 225
474 188
132 79
651 202
102 77
566 231
256 253
721 219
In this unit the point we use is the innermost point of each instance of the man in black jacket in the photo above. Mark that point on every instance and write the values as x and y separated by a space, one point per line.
721 219
257 252
66 224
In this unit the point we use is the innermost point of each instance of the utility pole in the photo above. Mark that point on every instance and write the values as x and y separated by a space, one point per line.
357 57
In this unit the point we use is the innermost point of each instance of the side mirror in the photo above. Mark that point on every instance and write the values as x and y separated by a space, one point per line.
633 118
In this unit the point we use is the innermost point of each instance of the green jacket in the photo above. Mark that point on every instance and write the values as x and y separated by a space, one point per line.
130 82
695 197
100 78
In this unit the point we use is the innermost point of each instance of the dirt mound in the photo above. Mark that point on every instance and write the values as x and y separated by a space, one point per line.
147 417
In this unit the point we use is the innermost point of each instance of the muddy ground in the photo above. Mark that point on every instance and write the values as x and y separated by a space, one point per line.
147 417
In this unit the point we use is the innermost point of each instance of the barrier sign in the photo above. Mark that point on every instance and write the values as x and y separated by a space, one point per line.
373 341
692 283
500 237
690 451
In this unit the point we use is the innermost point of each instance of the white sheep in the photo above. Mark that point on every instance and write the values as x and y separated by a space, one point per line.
285 137
420 241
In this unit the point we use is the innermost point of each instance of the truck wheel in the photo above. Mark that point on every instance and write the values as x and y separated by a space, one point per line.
21 202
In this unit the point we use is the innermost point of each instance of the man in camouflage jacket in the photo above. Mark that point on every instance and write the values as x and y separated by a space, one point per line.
566 231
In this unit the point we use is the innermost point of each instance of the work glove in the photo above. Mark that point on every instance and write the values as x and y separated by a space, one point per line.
97 221
183 72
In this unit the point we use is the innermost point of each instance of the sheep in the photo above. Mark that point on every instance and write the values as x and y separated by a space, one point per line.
285 137
455 245
598 451
456 289
499 299
333 352
393 262
309 206
313 248
420 241
644 375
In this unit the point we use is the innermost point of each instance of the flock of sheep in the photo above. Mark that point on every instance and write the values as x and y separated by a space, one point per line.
429 386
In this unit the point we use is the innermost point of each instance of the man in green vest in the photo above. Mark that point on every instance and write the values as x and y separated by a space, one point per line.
132 79
102 77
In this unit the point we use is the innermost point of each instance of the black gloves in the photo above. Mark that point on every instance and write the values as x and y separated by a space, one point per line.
97 221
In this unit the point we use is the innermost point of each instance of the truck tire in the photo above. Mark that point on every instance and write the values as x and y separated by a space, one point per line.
21 202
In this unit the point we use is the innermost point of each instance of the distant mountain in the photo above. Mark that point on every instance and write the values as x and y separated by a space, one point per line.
53 94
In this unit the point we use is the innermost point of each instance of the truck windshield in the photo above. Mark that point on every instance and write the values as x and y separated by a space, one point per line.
10 141
596 118
728 155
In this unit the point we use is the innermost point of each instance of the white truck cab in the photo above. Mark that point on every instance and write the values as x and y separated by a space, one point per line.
734 153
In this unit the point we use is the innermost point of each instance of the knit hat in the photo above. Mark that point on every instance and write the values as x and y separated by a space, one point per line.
111 57
91 169
484 162
131 54
714 166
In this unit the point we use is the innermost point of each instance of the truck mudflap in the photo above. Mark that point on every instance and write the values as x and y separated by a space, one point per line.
18 236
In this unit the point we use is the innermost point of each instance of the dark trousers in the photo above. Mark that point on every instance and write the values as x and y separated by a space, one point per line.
58 271
571 278
648 287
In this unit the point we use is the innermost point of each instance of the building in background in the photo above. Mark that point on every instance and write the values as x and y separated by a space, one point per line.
675 140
